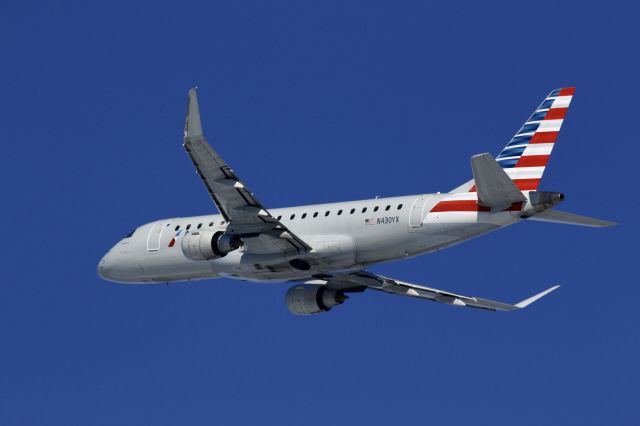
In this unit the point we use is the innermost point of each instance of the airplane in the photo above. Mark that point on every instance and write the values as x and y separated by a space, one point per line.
325 249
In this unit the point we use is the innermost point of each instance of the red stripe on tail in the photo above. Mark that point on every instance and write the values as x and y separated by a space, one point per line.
527 184
556 113
544 137
533 161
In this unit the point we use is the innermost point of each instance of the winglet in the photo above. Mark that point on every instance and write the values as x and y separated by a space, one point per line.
192 125
532 299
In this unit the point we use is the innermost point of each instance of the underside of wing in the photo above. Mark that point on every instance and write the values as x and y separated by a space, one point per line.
247 217
358 281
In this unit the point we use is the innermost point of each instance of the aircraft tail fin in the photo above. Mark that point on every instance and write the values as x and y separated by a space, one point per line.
565 218
526 155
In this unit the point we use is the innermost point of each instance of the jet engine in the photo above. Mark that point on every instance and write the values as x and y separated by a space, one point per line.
206 244
310 299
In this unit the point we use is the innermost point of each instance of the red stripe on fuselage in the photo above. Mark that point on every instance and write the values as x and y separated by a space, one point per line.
468 206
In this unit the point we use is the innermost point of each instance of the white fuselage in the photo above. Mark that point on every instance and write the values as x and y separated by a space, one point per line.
343 236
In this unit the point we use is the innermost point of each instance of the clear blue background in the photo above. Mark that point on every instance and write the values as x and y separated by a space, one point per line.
313 102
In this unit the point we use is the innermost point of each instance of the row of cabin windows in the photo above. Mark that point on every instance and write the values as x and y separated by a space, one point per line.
352 211
304 215
197 227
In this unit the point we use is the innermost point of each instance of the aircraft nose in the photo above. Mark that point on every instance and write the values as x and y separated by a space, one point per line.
105 268
117 267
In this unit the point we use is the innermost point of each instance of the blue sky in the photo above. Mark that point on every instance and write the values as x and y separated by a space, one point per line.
313 102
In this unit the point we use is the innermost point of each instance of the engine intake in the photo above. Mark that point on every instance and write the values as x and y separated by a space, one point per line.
308 299
206 244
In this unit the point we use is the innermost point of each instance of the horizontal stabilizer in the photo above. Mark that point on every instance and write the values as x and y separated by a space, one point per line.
495 188
556 216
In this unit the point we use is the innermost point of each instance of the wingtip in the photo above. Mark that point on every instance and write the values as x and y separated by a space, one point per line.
193 126
538 296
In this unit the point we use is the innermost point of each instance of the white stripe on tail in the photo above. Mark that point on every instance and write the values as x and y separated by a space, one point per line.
526 155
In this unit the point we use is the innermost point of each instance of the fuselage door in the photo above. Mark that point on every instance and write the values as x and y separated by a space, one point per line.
153 239
417 211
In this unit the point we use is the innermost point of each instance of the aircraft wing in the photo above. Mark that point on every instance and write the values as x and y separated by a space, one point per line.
247 217
358 281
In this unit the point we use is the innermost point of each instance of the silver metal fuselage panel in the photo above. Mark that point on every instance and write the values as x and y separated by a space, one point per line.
340 242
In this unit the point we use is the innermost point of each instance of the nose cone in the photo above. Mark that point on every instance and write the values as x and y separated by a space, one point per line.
106 268
120 266
116 267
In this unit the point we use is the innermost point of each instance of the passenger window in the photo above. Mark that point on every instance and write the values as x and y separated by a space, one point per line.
188 227
210 224
223 222
399 206
364 210
327 213
199 225
304 215
352 211
339 212
292 216
315 214
279 217
375 209
387 208
177 227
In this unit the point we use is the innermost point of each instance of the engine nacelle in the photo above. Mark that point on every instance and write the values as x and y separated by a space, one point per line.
206 244
310 299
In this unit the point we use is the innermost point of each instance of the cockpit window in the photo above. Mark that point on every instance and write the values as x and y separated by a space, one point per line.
130 234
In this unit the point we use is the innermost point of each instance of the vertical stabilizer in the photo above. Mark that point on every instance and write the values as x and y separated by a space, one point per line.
525 157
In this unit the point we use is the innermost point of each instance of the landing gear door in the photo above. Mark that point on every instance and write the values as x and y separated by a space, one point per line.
153 239
417 211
